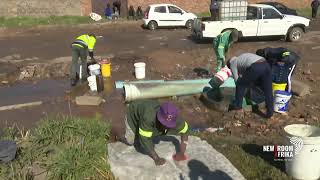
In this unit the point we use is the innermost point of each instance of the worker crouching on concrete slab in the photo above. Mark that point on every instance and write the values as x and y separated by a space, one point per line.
248 69
221 45
283 62
80 48
147 119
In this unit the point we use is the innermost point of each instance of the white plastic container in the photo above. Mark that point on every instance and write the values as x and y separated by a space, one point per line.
233 10
140 70
305 164
92 83
281 101
94 69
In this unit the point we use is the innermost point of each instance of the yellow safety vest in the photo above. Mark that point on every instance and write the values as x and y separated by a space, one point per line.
87 41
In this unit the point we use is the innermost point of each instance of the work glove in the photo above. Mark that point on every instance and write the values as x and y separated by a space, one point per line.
160 161
179 157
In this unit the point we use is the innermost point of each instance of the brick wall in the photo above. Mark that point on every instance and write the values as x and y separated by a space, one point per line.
194 6
289 3
84 7
198 6
39 7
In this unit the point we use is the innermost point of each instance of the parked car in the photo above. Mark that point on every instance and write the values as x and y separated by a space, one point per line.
282 8
165 15
261 20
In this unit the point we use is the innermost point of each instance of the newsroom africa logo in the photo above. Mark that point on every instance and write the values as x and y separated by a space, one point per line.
285 152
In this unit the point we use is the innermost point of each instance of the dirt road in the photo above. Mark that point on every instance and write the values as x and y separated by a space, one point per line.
169 54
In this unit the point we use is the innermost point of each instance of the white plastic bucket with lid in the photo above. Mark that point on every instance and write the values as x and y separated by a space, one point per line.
92 83
140 70
281 101
304 164
94 69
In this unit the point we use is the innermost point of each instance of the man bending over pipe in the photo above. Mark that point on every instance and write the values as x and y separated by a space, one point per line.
147 119
248 69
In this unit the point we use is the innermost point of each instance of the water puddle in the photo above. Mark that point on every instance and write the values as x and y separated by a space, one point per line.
25 92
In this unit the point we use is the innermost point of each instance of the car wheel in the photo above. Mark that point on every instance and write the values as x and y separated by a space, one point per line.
152 25
189 24
295 34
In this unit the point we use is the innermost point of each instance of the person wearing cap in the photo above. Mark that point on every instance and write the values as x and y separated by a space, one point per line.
147 119
250 69
221 45
282 61
80 48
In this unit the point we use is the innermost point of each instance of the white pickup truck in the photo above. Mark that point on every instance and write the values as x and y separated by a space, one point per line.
262 20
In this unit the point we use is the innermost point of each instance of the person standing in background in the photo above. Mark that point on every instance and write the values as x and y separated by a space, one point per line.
108 12
117 5
314 6
139 13
214 10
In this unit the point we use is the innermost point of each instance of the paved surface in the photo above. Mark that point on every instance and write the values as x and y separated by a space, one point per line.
204 162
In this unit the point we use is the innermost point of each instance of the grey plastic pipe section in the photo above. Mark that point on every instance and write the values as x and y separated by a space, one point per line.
134 91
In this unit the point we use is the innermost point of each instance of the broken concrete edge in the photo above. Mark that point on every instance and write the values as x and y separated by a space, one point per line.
19 106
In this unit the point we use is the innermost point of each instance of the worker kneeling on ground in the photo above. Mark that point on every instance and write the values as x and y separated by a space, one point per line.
147 119
80 48
221 45
283 62
250 69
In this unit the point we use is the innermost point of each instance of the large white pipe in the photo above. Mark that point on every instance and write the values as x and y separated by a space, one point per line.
168 88
158 90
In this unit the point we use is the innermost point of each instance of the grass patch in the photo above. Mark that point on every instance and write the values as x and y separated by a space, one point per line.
60 148
204 14
247 156
306 12
52 20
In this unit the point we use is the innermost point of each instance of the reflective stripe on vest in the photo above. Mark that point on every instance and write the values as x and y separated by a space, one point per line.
185 128
285 54
145 133
221 46
78 45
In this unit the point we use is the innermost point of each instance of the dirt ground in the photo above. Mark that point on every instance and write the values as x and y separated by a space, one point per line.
43 54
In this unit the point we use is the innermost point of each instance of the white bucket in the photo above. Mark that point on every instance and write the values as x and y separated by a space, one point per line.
94 69
140 70
305 164
281 101
92 83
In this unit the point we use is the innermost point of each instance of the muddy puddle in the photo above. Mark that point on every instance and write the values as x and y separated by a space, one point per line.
59 98
45 90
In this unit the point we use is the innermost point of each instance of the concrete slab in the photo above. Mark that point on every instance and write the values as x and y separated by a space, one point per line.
89 100
204 162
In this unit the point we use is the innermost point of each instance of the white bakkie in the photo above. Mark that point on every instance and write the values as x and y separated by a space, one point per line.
262 20
166 15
